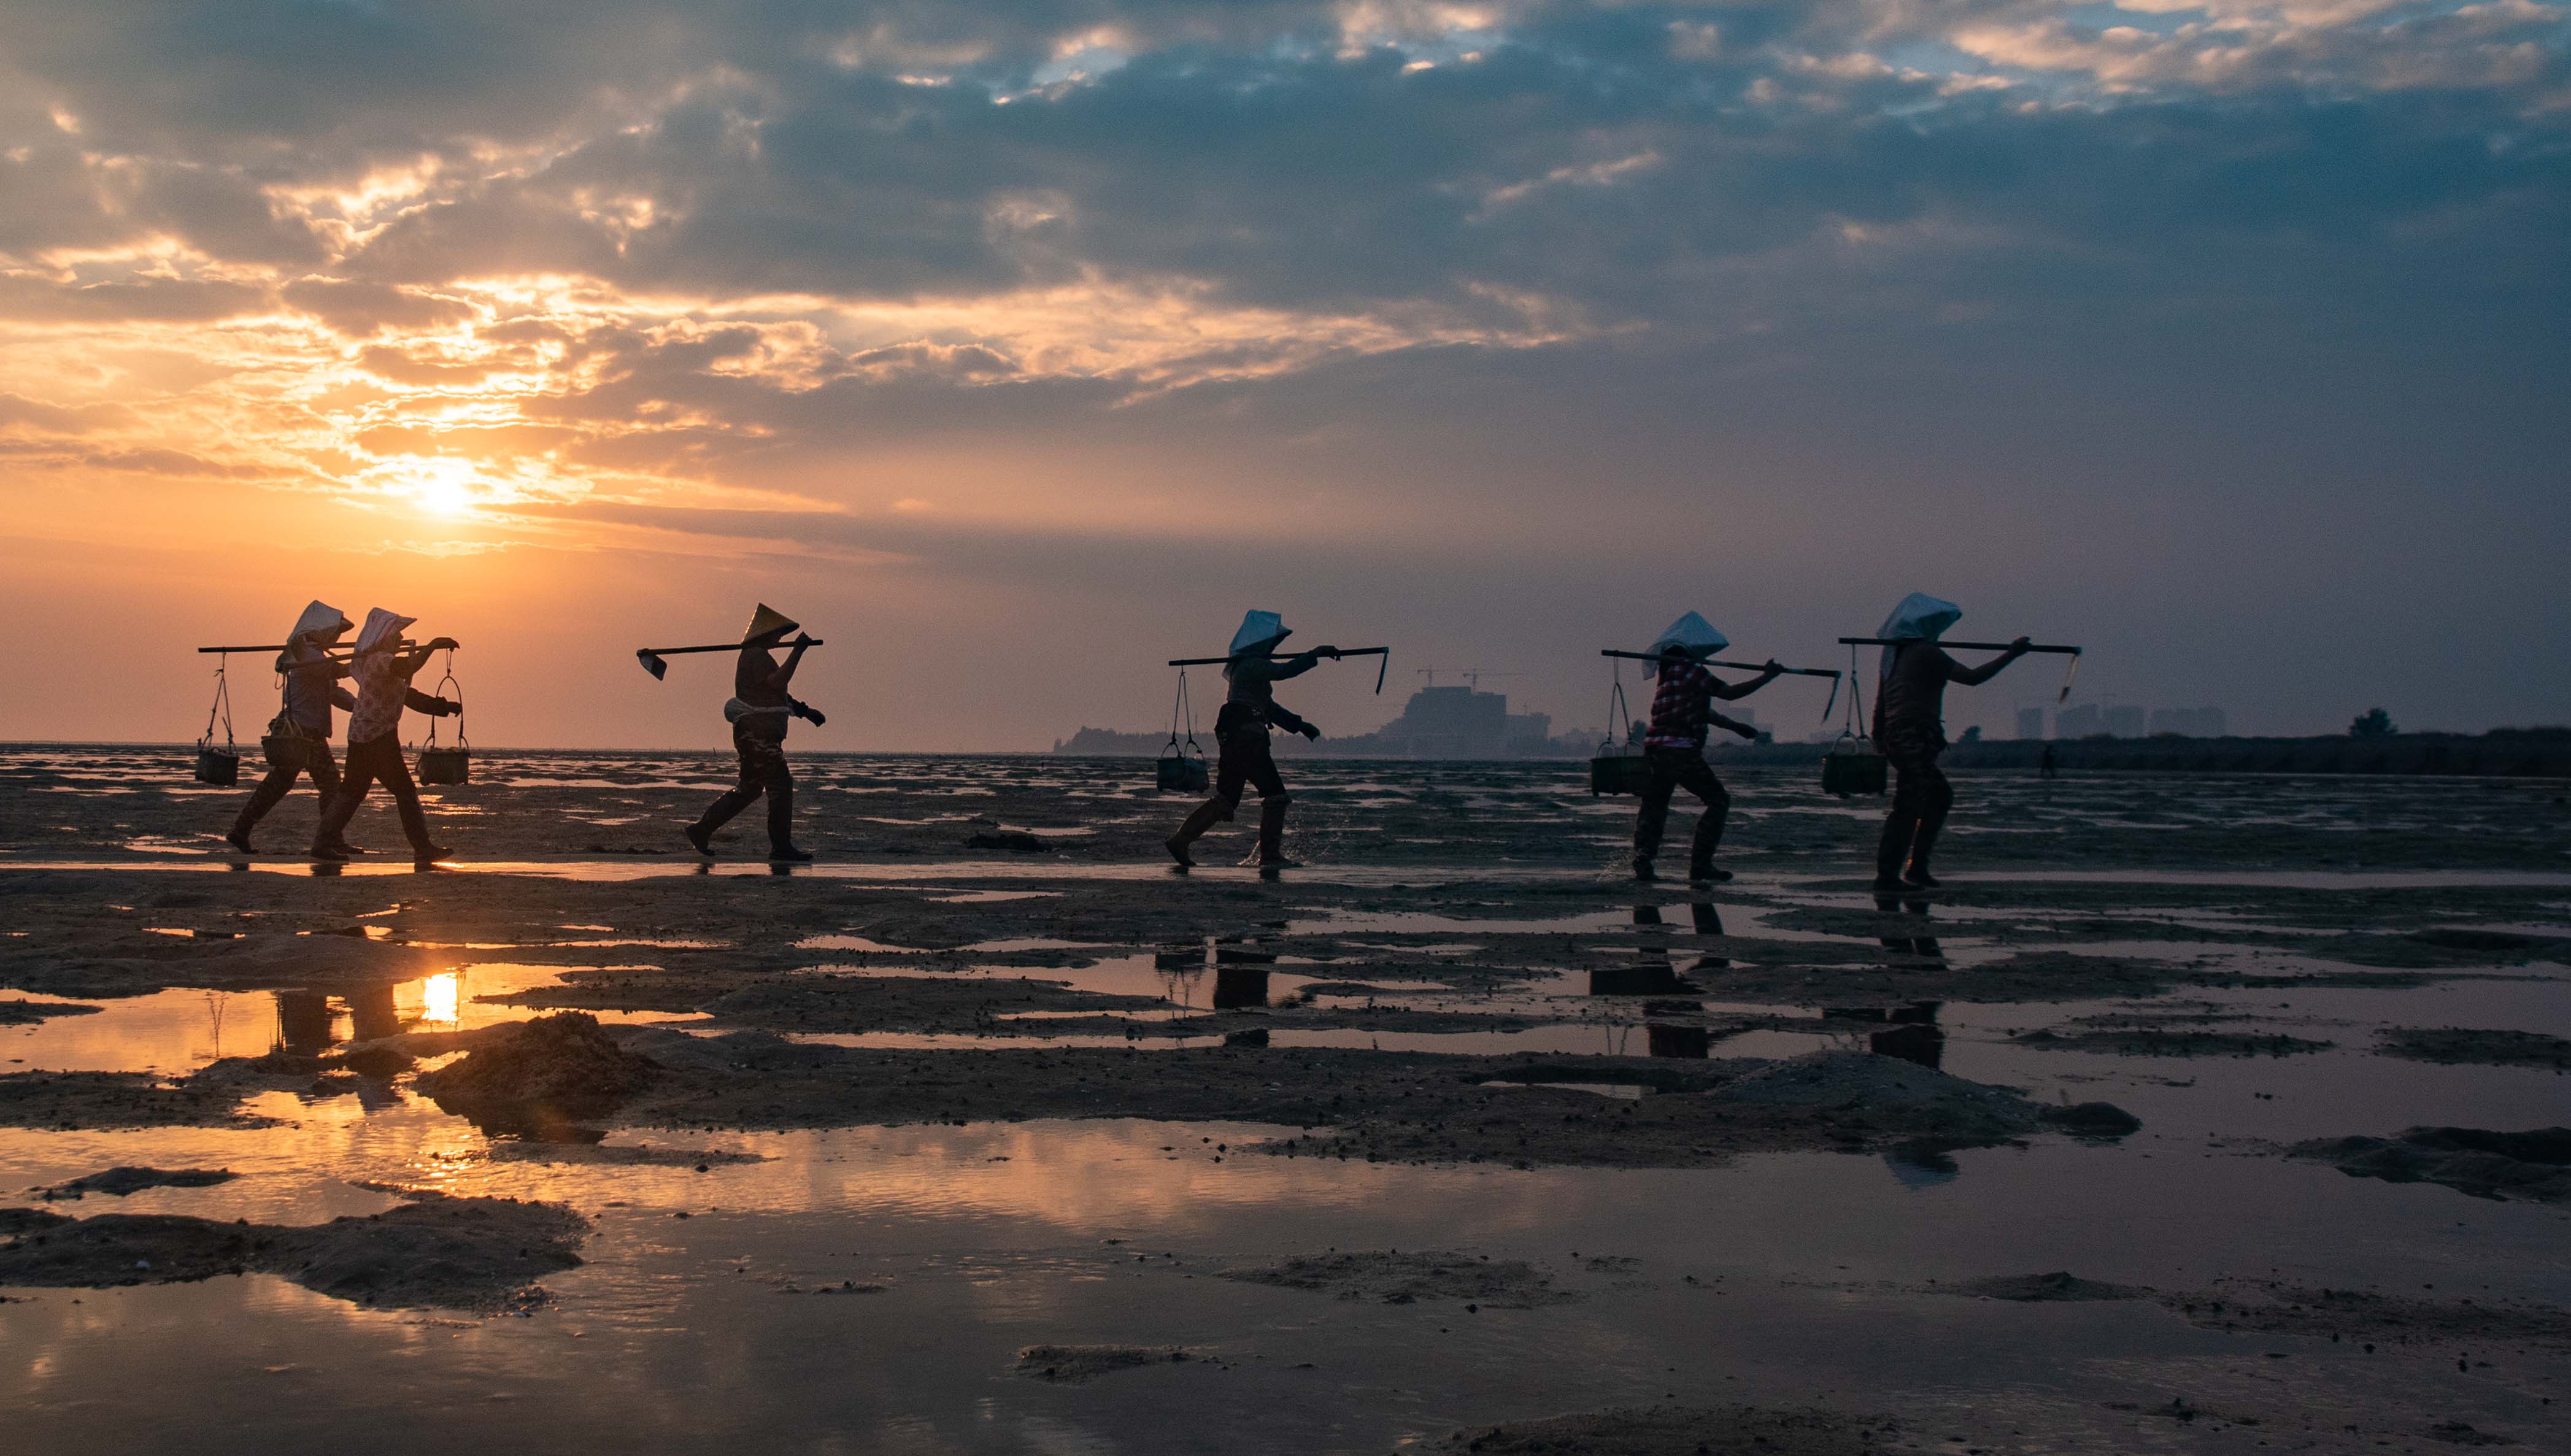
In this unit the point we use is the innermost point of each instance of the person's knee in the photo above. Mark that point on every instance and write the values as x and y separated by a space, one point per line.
1277 800
1226 804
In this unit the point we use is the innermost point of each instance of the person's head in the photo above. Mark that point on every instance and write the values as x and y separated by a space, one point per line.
768 627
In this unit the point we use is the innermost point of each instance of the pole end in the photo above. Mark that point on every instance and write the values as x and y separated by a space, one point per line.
653 664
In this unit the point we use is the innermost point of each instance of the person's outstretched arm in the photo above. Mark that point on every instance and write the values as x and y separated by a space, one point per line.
1976 676
1765 675
1299 665
785 674
1284 717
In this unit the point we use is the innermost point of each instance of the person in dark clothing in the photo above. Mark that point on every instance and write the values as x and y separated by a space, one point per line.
1674 745
759 711
384 668
2047 768
1241 732
1909 724
297 741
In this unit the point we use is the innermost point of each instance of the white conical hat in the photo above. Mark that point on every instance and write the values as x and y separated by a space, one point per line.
320 616
767 620
382 629
1692 632
1259 630
1919 618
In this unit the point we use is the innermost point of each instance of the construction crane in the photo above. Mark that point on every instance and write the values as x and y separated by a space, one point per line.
1472 676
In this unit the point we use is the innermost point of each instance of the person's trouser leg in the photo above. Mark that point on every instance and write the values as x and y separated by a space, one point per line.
780 782
751 784
281 777
1697 776
1261 770
1651 817
1902 826
362 771
394 773
1936 798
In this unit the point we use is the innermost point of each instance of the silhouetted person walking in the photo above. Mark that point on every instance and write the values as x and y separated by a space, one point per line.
759 711
384 668
1909 723
1241 732
1674 745
297 741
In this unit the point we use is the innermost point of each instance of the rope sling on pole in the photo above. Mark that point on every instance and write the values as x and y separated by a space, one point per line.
1619 767
451 764
1181 769
1852 766
219 766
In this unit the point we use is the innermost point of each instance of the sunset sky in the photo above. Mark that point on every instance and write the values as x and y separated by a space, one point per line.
1015 347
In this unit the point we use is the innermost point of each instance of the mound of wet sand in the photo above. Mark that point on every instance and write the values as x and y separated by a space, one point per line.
2535 1166
1390 1276
2460 1045
125 1179
472 1254
1678 1430
62 1101
22 1011
2059 1287
1077 1365
548 1075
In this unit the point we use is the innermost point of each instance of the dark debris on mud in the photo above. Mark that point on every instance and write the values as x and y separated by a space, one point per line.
1391 1277
1678 1430
126 1180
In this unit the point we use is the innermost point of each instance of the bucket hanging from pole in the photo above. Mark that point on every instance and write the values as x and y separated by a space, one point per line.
219 766
1618 766
1181 769
452 763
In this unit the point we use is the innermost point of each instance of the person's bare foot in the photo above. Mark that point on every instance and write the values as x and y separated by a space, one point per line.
240 839
1179 852
328 852
702 838
344 847
789 854
429 854
1920 880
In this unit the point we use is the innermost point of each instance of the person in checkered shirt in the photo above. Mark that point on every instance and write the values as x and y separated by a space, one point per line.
1674 745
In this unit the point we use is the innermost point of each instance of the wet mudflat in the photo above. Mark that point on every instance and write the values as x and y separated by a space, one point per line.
2195 1115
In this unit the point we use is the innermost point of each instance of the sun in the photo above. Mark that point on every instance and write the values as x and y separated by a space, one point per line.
444 488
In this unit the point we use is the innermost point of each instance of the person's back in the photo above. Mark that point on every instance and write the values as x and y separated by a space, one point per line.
1911 702
754 680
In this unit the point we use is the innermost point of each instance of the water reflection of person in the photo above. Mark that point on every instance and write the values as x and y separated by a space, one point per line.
1919 945
302 1023
1250 708
760 709
1909 724
297 741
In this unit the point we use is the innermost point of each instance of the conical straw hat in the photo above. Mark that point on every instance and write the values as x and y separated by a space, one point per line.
767 620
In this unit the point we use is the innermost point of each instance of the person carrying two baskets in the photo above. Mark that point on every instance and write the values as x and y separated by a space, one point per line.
1674 744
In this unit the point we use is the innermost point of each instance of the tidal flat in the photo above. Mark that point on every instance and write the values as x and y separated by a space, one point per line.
2194 1114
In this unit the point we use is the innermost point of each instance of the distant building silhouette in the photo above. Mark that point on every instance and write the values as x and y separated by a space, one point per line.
2122 721
2030 723
2078 722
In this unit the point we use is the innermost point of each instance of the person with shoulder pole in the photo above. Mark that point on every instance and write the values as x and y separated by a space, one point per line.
297 741
1674 745
759 711
1909 723
383 664
1240 733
